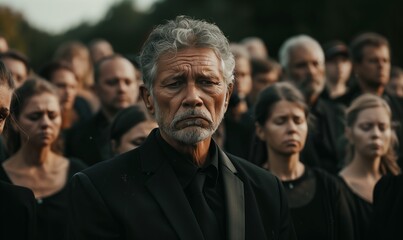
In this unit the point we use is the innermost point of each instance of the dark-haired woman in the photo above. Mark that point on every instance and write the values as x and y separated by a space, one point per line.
315 198
17 204
130 128
35 163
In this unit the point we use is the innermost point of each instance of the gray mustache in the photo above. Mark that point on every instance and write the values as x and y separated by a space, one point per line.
191 113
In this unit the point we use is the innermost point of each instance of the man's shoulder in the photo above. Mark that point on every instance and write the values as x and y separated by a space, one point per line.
116 165
15 193
253 173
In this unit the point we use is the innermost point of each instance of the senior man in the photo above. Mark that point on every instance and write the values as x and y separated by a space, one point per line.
179 184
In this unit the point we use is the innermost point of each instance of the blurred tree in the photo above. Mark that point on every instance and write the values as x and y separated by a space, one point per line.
274 21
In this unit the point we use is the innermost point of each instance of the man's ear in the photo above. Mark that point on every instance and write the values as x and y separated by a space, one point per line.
148 101
229 93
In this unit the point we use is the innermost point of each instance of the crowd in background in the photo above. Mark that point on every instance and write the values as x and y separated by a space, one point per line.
326 119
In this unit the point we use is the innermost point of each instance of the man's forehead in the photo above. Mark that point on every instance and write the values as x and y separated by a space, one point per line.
190 58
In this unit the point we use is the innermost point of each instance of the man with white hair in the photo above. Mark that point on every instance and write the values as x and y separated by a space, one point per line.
179 184
303 63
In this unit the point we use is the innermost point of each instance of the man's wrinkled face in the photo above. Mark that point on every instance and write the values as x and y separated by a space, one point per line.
306 69
189 96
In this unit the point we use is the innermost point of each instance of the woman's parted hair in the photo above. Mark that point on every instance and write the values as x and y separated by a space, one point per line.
127 119
368 101
272 95
30 88
181 33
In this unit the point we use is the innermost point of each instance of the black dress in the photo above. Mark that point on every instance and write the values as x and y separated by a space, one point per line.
51 211
361 212
387 221
318 206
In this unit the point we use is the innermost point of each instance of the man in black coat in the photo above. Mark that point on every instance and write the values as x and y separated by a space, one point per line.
179 184
117 88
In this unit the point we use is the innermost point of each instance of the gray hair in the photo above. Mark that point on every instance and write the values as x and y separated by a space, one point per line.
298 41
181 33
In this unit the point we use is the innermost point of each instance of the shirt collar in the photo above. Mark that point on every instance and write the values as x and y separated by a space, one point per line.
184 168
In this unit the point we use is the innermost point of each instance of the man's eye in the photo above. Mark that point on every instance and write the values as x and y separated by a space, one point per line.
4 112
174 84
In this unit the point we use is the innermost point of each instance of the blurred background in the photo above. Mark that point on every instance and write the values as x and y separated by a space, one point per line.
37 27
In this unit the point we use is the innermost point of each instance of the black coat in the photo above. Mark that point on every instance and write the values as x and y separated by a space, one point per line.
138 196
17 212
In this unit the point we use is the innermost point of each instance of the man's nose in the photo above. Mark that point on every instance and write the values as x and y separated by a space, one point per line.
192 96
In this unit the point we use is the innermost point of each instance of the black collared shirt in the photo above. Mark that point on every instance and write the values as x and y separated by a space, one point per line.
185 170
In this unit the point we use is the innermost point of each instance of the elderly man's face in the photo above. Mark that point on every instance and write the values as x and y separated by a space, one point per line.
190 95
306 69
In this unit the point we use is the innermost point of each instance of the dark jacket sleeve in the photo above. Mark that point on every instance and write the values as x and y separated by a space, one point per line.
89 215
17 212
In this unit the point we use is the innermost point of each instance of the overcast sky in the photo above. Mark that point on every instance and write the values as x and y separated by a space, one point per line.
56 16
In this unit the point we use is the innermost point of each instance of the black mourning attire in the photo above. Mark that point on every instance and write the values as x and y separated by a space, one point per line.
318 206
387 220
52 211
189 174
361 212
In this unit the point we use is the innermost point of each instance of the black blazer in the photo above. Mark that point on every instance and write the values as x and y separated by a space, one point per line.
138 196
17 212
89 141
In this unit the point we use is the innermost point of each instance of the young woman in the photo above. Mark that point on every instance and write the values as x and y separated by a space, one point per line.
370 154
17 204
315 198
35 163
130 128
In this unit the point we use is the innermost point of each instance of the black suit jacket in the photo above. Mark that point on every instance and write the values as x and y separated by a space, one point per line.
138 196
89 141
17 212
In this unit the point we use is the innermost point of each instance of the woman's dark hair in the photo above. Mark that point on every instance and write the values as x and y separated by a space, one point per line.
275 93
6 78
47 71
267 99
30 88
125 120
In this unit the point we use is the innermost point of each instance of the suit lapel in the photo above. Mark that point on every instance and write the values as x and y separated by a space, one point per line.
235 199
166 189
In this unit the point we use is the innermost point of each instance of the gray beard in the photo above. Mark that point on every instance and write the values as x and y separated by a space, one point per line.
189 135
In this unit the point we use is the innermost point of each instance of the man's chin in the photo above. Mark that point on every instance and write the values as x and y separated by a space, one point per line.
191 135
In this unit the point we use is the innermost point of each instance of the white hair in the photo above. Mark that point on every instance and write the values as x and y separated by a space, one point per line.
298 41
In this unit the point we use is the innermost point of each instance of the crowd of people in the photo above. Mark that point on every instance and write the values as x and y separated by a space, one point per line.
201 138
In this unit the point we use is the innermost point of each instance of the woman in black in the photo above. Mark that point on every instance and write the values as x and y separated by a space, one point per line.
35 162
370 155
316 200
17 204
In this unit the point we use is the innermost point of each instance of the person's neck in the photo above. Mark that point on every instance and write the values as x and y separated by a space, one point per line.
336 89
197 152
286 167
34 156
108 114
362 167
312 99
377 90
